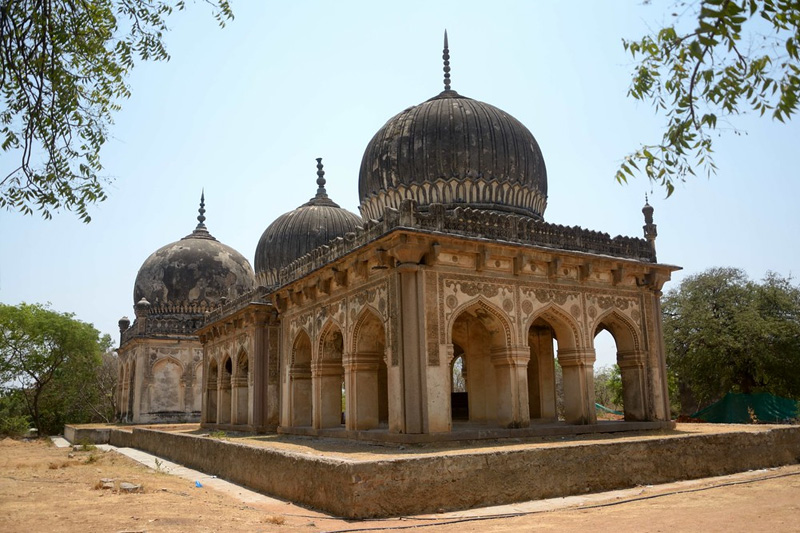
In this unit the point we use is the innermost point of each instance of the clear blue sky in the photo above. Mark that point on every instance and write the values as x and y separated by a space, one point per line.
243 111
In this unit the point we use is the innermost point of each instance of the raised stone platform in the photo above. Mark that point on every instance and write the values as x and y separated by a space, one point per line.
363 480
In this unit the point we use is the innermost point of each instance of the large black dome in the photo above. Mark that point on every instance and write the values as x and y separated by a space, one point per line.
455 151
197 270
294 234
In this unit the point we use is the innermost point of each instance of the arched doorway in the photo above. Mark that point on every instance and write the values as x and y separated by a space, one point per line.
631 362
300 382
459 398
225 390
366 382
328 379
496 391
552 331
542 395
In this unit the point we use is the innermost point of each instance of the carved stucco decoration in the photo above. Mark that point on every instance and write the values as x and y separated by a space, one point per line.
600 303
556 315
533 299
456 292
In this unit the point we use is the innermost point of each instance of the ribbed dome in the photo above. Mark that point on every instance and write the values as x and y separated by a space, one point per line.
294 234
455 151
197 270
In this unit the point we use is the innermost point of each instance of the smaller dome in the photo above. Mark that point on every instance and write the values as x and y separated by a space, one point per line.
294 234
196 270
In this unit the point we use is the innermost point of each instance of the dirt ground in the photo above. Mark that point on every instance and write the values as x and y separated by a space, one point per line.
44 488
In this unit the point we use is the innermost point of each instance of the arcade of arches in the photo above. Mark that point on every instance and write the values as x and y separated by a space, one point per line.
374 349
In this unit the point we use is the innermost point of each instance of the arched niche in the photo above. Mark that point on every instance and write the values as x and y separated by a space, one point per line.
226 372
299 381
328 378
366 378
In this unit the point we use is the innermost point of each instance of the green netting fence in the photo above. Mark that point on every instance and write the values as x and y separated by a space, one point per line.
746 408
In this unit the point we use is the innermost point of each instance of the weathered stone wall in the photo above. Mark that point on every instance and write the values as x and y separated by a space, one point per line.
428 483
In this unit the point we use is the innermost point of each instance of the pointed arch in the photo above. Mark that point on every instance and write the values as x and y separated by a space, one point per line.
482 335
224 387
363 336
631 361
625 332
299 401
366 373
331 341
240 384
484 311
566 329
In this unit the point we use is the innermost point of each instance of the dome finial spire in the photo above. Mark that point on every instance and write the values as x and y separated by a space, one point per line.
321 192
446 57
201 217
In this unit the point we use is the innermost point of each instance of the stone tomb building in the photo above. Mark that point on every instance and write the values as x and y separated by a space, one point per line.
356 324
161 370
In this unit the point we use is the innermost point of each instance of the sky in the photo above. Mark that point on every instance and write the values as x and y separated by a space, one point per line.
242 113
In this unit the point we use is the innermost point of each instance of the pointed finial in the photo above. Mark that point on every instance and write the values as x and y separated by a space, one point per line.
320 179
201 218
650 229
446 57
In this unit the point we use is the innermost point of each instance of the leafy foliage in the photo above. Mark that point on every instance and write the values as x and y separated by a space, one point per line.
63 66
14 420
608 387
736 56
725 333
48 359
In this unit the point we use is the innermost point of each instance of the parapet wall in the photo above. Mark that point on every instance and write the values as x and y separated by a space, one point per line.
430 482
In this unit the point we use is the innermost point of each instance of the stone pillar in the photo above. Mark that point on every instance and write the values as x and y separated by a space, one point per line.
240 400
412 351
361 389
265 398
224 399
300 397
542 375
634 384
510 370
578 372
326 377
657 367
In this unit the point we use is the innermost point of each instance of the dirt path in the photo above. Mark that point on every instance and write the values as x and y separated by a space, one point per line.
44 488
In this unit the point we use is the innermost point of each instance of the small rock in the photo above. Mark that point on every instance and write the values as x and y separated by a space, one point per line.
129 487
70 455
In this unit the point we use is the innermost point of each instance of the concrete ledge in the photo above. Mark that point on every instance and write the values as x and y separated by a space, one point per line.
91 434
402 483
473 433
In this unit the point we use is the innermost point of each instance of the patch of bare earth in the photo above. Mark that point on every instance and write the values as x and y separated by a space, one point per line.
44 488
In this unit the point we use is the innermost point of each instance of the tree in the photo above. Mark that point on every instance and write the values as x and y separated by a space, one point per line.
608 386
42 350
732 57
725 333
63 70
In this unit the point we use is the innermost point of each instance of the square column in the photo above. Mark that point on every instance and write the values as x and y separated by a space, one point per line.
634 383
511 375
361 391
578 372
326 382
